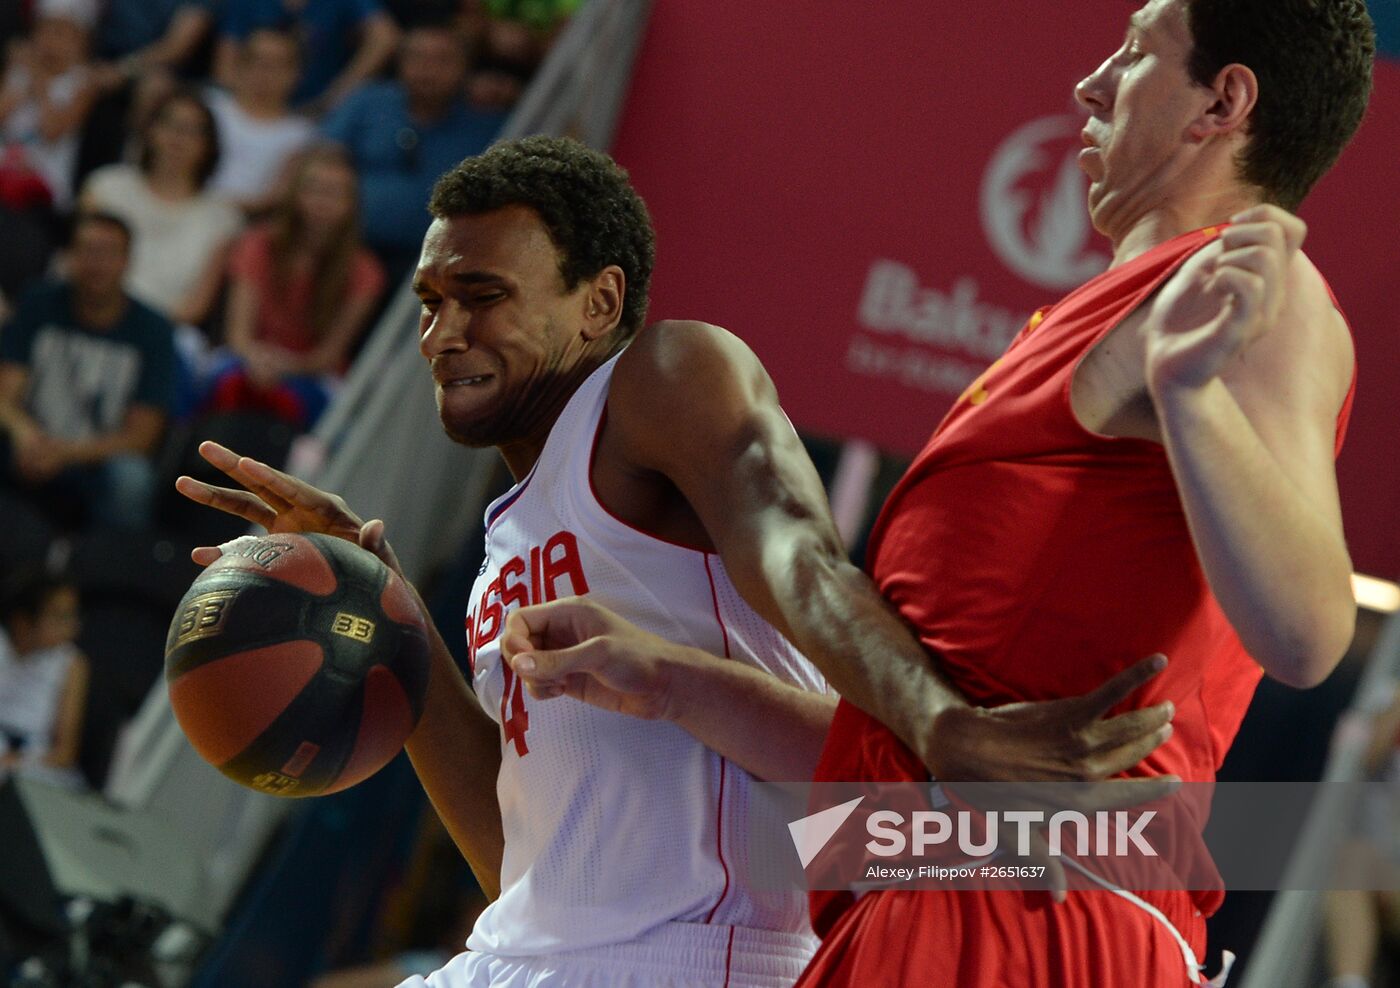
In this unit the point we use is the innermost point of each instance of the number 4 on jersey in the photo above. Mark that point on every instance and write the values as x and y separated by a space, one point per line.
515 719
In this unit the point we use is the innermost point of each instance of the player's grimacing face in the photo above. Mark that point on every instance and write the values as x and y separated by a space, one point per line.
1141 101
496 324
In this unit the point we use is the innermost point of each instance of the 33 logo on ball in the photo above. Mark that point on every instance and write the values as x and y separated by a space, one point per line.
204 616
356 628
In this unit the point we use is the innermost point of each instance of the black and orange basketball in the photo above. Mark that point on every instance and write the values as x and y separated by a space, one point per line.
297 664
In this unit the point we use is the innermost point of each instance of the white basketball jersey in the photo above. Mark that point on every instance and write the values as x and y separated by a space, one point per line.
613 825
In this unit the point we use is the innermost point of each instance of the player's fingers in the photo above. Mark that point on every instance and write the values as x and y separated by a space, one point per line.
218 455
1126 728
543 665
205 554
1115 690
275 486
1127 755
371 537
236 468
546 689
1266 234
234 502
515 634
1261 260
514 641
1245 293
1293 228
561 623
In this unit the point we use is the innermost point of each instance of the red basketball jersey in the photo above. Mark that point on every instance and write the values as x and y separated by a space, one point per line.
1037 558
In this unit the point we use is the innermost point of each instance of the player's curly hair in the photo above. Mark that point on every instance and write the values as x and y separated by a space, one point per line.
1313 61
589 207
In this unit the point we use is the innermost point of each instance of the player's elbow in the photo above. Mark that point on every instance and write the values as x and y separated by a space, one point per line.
1307 656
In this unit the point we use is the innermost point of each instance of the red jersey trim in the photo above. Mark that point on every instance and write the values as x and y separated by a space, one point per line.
719 810
719 845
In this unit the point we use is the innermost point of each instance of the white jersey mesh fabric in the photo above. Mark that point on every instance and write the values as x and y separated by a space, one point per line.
613 825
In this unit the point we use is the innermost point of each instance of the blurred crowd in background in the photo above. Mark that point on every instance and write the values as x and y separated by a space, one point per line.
204 205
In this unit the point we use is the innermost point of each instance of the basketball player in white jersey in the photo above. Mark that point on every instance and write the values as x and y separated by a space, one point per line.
657 475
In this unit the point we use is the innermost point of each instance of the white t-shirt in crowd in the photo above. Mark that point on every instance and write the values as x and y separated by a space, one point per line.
173 242
53 160
253 151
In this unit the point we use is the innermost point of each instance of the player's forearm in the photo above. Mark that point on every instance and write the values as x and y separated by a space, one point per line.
1280 571
770 729
457 754
838 619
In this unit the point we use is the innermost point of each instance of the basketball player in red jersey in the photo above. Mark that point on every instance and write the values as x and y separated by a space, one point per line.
1148 467
533 280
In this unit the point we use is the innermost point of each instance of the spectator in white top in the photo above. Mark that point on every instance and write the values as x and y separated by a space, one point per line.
258 132
48 89
43 679
182 231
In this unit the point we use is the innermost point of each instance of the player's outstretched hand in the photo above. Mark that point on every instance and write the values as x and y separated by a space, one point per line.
1222 299
1036 750
574 647
279 502
1067 740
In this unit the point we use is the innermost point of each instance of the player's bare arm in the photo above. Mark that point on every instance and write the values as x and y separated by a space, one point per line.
576 648
456 748
691 404
1248 364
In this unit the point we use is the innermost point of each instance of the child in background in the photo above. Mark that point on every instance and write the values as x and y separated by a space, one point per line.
257 129
43 679
302 290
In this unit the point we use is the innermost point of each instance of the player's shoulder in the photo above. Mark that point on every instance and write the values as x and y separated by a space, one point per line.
674 345
680 376
1307 351
1312 322
680 358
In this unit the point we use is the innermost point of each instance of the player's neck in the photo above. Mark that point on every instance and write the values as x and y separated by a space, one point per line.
520 455
1180 214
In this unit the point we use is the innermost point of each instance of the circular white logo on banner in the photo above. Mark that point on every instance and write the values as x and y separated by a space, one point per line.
1033 205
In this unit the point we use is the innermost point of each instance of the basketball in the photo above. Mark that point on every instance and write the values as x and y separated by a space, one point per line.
297 664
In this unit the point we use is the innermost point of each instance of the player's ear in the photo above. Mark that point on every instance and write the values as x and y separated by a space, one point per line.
1235 91
602 302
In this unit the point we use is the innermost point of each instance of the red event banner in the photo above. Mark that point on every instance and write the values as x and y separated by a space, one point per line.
876 197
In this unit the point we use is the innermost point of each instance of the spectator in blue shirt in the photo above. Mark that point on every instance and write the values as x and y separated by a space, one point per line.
343 42
403 134
87 382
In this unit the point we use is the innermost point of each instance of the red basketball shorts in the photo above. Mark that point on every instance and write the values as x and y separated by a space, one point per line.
1009 939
